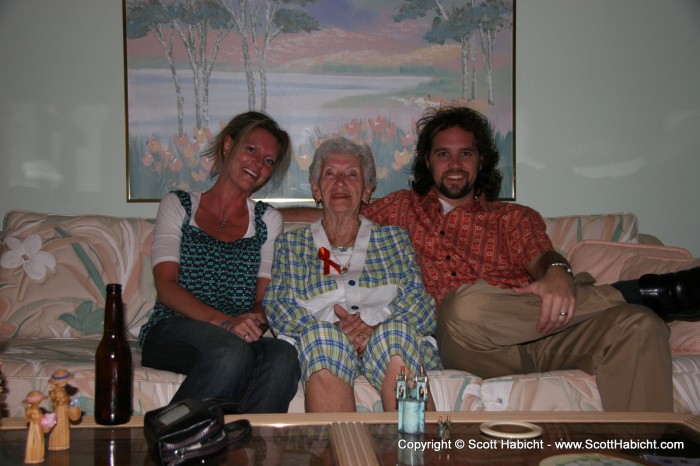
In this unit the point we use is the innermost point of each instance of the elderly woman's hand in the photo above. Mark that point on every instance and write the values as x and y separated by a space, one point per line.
354 327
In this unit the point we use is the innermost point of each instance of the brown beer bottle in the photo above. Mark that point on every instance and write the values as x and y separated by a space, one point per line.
113 371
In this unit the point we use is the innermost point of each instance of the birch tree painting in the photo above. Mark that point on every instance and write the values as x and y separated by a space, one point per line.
358 68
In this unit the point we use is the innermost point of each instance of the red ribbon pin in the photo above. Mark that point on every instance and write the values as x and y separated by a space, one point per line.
325 255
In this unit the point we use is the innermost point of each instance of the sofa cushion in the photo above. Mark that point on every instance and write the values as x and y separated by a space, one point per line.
567 231
53 272
27 364
686 375
575 390
571 390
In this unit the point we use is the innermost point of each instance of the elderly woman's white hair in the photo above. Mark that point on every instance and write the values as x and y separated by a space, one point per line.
341 145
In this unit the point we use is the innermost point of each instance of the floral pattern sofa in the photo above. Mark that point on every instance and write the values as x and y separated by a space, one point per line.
53 272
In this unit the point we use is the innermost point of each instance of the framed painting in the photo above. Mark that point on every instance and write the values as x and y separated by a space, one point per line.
363 69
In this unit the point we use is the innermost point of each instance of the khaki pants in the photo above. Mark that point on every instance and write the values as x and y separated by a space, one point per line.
491 332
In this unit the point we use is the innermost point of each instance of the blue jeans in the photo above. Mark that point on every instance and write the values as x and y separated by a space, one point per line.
261 377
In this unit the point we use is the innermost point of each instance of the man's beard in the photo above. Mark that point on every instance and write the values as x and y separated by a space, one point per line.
455 193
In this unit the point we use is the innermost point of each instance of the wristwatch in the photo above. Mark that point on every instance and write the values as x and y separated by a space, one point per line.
564 266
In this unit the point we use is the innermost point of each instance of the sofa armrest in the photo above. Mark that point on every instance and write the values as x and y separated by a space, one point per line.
609 262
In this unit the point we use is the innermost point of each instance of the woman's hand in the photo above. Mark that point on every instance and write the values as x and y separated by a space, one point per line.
249 326
354 327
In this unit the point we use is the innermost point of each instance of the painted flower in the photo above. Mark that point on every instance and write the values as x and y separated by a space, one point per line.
379 124
202 136
147 159
154 145
167 156
353 128
304 160
199 175
206 163
29 255
401 159
181 141
390 132
191 150
407 138
175 165
319 141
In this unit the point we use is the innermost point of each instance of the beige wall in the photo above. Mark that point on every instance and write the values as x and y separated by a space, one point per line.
607 110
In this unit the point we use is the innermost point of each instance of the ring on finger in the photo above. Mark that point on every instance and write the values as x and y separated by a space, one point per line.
245 336
563 313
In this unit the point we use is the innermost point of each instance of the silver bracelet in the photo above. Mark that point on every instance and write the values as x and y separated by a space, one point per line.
564 266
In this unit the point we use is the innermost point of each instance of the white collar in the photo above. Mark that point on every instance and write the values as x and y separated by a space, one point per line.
359 253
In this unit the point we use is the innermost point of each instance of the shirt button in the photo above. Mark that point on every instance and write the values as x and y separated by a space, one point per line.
454 274
351 283
354 307
448 257
442 233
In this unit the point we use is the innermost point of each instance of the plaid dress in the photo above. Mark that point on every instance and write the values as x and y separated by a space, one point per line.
382 283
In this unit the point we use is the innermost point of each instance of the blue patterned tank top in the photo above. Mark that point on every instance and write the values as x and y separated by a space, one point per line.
222 274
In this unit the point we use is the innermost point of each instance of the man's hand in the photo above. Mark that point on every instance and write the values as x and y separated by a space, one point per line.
556 290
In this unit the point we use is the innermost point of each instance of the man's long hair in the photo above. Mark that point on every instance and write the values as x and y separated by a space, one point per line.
434 120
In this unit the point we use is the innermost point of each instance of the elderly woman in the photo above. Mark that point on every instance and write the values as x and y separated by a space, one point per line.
348 292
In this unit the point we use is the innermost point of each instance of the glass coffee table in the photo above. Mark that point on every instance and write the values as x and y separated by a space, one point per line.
573 438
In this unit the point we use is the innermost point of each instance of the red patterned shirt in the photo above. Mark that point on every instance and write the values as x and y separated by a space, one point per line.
489 240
